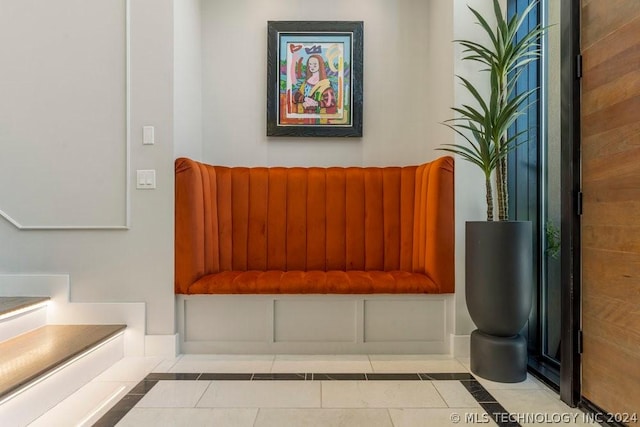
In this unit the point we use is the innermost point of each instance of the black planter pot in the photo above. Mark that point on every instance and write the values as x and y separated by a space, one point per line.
499 267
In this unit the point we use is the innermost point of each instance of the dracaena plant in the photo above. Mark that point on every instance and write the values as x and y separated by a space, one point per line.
484 123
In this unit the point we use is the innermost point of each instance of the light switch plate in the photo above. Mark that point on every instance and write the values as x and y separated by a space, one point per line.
146 179
148 135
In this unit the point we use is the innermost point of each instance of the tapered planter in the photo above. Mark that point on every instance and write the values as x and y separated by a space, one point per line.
499 267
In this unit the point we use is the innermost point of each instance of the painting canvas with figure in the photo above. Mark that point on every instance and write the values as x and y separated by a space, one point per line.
315 79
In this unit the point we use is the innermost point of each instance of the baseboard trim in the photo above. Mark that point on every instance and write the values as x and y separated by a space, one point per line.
161 345
460 345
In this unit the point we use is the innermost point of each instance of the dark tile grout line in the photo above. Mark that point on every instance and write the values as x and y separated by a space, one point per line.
495 410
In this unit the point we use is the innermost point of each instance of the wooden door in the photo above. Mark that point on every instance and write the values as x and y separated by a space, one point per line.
610 120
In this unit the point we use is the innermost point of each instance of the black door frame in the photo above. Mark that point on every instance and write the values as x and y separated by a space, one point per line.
570 255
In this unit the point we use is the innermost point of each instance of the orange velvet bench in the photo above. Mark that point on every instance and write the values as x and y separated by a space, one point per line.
275 230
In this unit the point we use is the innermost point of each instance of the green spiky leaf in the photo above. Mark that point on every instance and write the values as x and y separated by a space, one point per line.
483 123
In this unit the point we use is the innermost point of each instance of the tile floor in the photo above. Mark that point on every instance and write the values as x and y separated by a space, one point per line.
178 392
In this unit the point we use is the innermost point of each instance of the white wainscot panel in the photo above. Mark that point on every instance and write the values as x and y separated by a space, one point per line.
64 117
227 318
403 320
314 324
304 320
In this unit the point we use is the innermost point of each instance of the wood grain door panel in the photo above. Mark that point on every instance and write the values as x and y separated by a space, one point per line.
610 117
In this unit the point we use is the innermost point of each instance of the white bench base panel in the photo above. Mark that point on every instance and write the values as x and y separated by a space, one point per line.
315 324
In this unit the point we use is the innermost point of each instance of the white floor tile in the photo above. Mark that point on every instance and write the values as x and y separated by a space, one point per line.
305 403
380 394
416 363
465 361
86 405
455 394
188 417
322 364
130 369
401 357
538 404
440 417
323 418
224 363
166 365
174 394
261 394
530 383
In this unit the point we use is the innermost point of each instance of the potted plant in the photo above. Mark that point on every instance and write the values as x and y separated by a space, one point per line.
498 252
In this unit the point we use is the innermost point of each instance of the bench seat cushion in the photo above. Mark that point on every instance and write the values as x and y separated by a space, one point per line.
313 282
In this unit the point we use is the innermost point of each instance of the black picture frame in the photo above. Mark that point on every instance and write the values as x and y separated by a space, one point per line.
320 100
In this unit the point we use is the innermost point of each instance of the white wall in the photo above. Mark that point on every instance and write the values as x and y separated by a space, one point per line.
187 89
407 82
55 108
470 190
408 88
104 265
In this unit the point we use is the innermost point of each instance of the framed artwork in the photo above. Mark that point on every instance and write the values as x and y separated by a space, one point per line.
314 78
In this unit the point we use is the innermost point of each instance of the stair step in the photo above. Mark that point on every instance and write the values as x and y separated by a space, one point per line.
27 357
19 315
9 305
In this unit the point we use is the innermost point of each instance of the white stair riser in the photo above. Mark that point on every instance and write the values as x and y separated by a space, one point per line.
62 311
23 407
24 322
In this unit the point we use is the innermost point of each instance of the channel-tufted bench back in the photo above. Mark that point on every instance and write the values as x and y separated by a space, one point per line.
314 219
